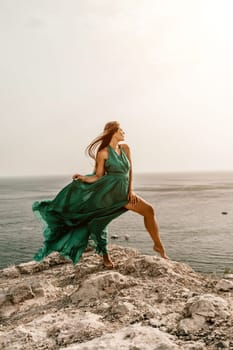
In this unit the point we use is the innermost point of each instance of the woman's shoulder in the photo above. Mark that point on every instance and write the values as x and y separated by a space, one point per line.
125 146
103 153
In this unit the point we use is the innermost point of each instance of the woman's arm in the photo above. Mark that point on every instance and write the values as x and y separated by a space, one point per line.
131 195
99 169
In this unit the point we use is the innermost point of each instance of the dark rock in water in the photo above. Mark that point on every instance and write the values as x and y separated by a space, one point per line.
224 212
114 236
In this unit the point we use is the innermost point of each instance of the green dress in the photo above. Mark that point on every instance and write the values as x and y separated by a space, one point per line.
81 211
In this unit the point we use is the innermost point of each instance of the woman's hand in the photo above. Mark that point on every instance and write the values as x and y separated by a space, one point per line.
132 198
78 177
99 169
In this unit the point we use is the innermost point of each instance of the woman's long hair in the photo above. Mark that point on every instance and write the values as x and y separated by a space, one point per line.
103 139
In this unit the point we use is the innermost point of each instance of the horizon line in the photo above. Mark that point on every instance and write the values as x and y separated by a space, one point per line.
135 173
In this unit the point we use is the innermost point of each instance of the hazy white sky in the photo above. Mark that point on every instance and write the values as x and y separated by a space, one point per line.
163 68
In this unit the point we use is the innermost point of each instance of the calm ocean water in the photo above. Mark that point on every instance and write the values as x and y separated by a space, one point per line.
188 206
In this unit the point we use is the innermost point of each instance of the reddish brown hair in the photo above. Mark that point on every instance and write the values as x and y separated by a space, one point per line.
103 139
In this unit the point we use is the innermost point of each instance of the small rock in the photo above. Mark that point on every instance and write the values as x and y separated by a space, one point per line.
195 346
24 291
222 345
228 276
224 285
153 322
207 305
192 324
20 293
103 307
123 308
200 309
10 272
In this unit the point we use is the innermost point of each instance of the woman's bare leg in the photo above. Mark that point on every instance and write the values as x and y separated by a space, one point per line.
107 261
145 209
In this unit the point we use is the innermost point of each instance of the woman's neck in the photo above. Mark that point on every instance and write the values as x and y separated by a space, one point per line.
114 145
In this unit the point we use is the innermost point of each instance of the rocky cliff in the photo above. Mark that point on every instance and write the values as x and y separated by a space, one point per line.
145 303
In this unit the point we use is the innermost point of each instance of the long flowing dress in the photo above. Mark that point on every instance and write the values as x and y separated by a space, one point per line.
81 211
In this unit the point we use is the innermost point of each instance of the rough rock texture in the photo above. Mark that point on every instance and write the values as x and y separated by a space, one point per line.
144 303
129 338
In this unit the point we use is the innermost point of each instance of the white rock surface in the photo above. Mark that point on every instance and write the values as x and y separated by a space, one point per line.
146 302
134 337
100 285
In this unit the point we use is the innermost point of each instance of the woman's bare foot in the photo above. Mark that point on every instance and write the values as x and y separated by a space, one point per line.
161 251
107 261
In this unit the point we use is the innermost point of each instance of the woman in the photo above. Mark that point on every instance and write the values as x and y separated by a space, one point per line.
82 210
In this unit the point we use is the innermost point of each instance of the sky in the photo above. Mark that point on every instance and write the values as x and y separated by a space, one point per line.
162 68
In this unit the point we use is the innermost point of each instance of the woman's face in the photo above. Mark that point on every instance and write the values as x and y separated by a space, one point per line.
120 135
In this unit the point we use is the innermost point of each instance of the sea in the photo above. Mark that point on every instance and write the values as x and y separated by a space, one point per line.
194 213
